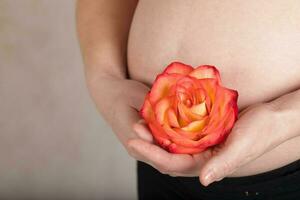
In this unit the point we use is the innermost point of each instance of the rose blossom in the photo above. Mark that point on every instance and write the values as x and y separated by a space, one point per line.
188 109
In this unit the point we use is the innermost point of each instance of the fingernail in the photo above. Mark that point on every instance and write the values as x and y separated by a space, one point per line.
208 178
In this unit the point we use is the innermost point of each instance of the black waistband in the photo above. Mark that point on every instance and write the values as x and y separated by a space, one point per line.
282 183
285 180
286 170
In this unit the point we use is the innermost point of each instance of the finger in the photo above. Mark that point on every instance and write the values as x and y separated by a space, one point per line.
199 160
224 162
136 99
125 119
187 174
161 159
143 131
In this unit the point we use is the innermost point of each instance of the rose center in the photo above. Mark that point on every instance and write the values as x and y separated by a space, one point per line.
188 103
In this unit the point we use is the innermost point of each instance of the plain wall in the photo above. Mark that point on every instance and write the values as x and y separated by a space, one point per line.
53 143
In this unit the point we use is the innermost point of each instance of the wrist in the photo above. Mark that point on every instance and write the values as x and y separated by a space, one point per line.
106 89
284 119
96 75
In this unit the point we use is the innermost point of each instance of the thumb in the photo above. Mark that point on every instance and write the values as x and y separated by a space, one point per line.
223 163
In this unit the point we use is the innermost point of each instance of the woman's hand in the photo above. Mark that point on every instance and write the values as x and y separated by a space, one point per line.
119 102
253 135
165 162
257 131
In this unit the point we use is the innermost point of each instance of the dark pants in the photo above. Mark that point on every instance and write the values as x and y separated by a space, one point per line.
278 184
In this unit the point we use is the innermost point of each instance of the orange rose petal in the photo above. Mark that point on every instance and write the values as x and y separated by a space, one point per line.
159 134
216 121
186 114
174 105
162 85
211 135
218 131
174 148
225 99
180 139
193 136
206 71
233 102
208 104
182 96
199 109
210 86
182 122
174 135
161 108
176 88
187 83
172 118
233 93
147 111
178 68
212 139
195 126
200 95
182 115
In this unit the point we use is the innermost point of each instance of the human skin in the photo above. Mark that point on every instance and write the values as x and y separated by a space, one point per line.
255 45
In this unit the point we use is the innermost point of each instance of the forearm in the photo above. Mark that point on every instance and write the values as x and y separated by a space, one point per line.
287 112
103 28
111 94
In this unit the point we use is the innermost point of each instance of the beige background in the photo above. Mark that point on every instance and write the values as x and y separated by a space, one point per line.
53 143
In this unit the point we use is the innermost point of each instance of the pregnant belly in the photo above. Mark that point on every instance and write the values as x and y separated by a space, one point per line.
255 46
